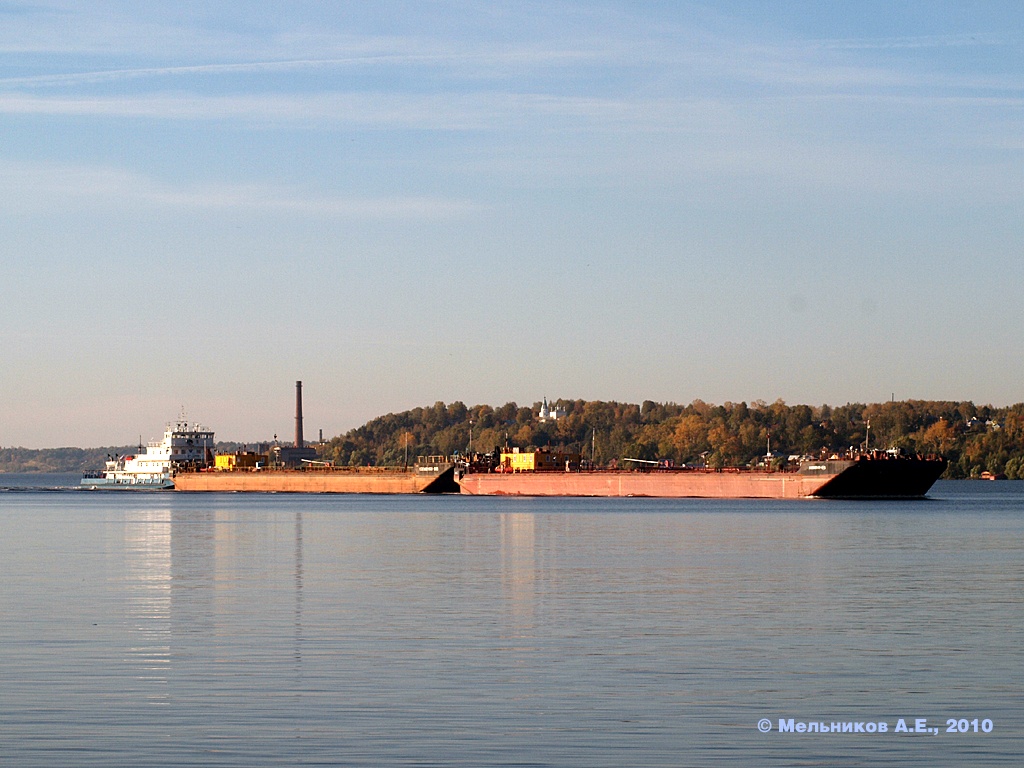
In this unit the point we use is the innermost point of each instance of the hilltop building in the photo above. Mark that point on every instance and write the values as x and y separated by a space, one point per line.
549 413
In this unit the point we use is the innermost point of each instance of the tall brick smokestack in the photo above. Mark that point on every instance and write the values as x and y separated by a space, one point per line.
298 415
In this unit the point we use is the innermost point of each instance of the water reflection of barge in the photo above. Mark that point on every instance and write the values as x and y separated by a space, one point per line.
867 475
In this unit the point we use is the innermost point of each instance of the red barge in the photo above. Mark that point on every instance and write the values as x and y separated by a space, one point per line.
869 475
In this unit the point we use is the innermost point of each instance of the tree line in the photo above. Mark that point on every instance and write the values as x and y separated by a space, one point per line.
56 459
72 459
975 439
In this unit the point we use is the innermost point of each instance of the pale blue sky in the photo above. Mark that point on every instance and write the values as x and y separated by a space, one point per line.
404 202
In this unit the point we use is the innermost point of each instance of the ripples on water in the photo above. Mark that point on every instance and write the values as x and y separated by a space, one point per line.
255 630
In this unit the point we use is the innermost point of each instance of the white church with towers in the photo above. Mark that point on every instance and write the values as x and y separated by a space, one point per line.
550 413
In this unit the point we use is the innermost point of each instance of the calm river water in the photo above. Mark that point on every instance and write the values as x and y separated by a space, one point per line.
161 629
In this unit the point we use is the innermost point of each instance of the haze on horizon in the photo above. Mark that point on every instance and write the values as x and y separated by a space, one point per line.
405 202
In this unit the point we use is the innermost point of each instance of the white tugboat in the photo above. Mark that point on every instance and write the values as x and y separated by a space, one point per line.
184 446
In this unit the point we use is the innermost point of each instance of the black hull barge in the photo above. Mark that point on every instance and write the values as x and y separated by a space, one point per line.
881 475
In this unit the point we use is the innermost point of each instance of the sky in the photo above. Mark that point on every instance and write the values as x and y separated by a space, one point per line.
405 202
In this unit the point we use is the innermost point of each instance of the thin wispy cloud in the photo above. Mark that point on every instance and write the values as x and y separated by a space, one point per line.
375 110
913 42
250 67
38 187
518 58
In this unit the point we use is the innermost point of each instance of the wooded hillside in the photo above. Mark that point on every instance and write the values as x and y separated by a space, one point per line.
974 438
